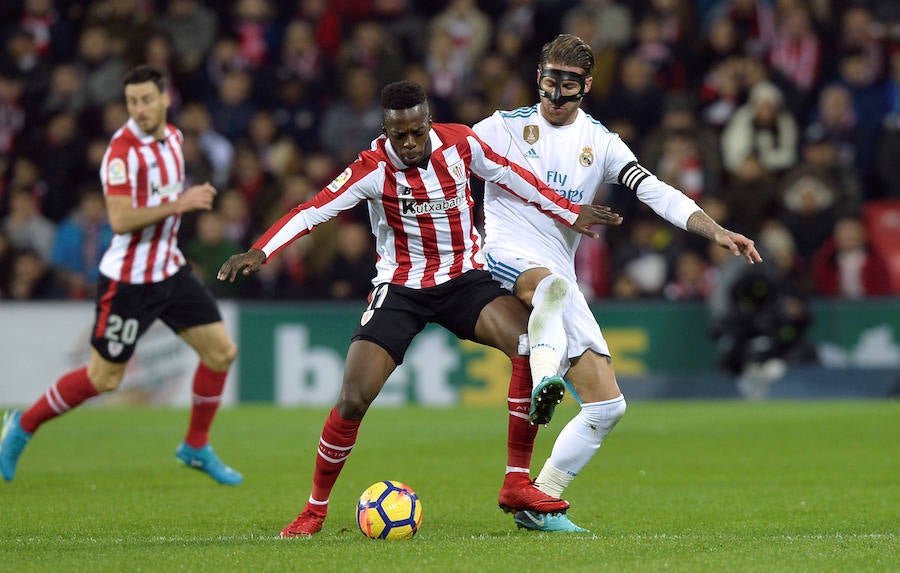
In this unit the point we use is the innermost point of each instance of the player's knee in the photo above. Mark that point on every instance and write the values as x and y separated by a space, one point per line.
220 359
352 407
557 289
105 381
604 415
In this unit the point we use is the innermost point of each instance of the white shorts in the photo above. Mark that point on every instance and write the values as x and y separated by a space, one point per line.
582 330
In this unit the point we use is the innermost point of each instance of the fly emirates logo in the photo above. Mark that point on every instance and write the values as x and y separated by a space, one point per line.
557 181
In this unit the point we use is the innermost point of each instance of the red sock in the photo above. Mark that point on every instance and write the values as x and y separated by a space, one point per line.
68 392
207 395
520 438
338 438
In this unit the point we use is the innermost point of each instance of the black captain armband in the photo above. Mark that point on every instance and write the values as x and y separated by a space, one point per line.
632 174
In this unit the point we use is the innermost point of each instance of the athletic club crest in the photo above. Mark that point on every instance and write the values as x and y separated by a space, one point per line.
531 133
458 171
115 348
587 157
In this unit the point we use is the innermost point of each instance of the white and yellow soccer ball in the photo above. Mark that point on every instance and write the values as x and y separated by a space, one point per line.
389 510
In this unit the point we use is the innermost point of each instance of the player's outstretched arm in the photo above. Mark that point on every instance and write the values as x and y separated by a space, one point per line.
243 263
591 215
702 224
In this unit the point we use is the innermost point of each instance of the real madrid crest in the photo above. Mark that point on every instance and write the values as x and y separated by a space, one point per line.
531 133
587 157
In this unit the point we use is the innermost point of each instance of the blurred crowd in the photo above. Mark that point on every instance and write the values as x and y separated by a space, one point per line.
781 118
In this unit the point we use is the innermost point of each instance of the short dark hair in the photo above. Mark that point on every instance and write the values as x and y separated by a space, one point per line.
402 95
568 50
145 73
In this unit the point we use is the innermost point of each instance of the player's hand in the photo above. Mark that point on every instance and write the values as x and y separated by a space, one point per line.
197 198
244 263
595 215
738 244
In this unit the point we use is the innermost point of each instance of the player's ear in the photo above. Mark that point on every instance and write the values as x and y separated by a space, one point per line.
587 83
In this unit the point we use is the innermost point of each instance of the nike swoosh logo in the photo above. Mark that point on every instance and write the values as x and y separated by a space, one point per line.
538 522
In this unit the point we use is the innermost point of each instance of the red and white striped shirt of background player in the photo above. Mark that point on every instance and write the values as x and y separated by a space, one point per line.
151 172
422 218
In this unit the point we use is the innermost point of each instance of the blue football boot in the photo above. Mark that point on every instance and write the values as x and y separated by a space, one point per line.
12 442
546 522
206 460
544 398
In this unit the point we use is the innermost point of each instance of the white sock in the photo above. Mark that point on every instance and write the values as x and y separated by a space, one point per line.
577 444
546 332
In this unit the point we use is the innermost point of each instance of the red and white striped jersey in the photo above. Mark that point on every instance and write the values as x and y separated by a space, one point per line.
151 172
422 217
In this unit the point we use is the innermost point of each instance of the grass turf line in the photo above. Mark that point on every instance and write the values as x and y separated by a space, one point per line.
678 486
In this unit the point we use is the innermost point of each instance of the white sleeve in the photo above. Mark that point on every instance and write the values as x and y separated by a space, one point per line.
665 200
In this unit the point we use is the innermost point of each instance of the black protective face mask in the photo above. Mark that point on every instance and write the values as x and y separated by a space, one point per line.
556 97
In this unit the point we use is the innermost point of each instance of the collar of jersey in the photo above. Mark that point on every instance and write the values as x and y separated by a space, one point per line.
436 144
144 138
559 128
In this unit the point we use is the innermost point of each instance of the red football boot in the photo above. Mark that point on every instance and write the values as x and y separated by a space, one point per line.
307 523
520 494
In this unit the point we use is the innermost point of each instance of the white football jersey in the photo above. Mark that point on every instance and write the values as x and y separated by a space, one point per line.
574 160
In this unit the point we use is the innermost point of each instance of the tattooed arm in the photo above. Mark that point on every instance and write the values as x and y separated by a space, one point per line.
702 224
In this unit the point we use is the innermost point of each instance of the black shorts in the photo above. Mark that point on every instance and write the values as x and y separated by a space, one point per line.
396 314
125 311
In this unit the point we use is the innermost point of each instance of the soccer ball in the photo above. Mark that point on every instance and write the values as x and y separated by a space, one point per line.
389 510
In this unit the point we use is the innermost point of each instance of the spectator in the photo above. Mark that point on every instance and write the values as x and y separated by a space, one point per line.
232 107
835 121
693 278
370 48
32 278
761 128
12 114
612 22
128 24
258 34
810 204
796 56
235 214
102 69
67 91
352 122
192 28
22 61
296 112
847 266
258 187
61 163
326 22
81 240
469 28
208 249
301 58
26 227
217 149
52 33
349 275
636 99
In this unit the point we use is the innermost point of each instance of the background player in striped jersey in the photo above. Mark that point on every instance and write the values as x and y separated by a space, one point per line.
568 148
143 276
415 180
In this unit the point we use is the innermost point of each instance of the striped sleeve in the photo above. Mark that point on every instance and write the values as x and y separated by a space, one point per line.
353 185
519 181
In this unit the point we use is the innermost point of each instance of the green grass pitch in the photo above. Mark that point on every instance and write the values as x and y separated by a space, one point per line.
678 486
